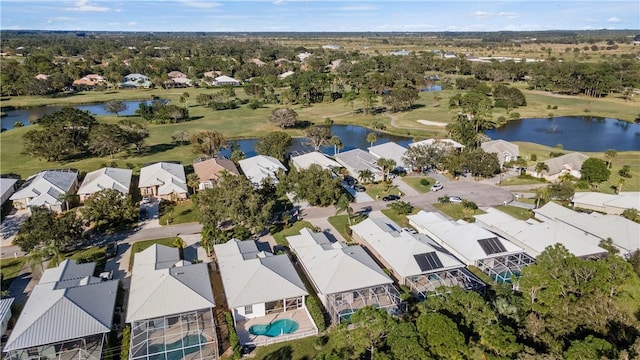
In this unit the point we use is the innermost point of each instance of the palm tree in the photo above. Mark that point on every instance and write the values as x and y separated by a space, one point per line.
543 195
343 205
372 138
193 181
540 167
620 183
337 144
387 165
366 176
610 155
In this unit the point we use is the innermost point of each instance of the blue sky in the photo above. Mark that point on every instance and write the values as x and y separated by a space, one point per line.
301 16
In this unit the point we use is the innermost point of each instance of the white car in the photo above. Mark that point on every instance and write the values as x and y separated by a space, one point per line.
455 199
409 230
146 200
437 187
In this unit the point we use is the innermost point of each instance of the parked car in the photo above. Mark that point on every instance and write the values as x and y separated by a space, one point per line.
409 230
359 188
112 250
146 200
391 198
455 199
437 187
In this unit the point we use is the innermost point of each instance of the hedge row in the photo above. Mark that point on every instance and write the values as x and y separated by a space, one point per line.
316 313
233 336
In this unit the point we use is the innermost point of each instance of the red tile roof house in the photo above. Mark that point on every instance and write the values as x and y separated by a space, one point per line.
89 81
210 170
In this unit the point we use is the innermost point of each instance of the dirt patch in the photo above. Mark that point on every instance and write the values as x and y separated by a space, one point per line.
221 307
431 123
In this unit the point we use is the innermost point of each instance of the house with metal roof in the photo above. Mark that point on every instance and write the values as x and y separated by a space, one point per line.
8 186
170 307
345 277
223 80
357 160
566 164
415 260
474 245
624 233
164 180
68 315
136 81
5 314
439 143
260 168
535 237
392 151
304 161
505 150
211 169
261 288
614 204
46 188
105 178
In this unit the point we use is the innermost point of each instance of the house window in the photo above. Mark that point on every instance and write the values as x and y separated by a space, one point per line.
248 310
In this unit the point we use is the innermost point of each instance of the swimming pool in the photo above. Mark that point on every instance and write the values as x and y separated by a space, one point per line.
276 328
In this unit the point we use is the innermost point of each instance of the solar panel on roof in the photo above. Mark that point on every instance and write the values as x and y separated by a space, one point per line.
428 261
491 246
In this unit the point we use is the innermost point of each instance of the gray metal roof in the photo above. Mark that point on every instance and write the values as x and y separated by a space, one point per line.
46 187
159 289
260 167
168 177
304 161
106 178
391 151
58 311
357 160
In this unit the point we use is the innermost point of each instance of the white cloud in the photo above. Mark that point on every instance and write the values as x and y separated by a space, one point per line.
132 23
509 15
481 14
614 19
200 4
84 5
278 2
486 14
357 8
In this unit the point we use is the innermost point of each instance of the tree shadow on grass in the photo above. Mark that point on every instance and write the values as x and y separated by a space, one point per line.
195 118
158 148
284 353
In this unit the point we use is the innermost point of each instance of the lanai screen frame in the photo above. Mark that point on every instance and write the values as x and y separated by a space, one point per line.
505 268
60 351
334 305
435 281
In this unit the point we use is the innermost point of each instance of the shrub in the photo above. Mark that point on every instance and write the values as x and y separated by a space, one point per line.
625 171
18 124
126 342
469 204
550 115
582 184
234 341
534 157
316 313
424 182
555 107
328 121
548 107
514 115
444 199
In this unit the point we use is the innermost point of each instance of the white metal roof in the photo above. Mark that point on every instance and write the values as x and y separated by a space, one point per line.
46 187
535 237
304 161
62 307
398 247
168 177
260 167
572 161
7 185
159 289
461 238
438 143
501 147
624 200
252 277
333 267
106 178
357 160
624 233
389 150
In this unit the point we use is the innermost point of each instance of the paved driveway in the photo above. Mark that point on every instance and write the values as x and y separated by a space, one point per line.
11 223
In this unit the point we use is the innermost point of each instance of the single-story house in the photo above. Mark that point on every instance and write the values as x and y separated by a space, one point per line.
46 188
68 315
105 178
392 151
176 74
505 150
566 164
212 169
178 82
345 277
89 81
8 186
534 236
624 233
439 143
258 62
163 180
474 245
303 56
304 161
357 160
607 203
402 52
225 80
415 260
136 81
5 314
261 288
285 74
170 307
260 168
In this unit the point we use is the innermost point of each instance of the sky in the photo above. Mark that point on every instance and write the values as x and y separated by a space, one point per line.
317 16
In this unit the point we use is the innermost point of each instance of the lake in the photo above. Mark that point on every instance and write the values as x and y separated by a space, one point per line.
353 137
577 133
22 115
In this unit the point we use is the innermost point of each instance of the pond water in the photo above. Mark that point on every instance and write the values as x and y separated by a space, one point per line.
353 137
22 115
578 133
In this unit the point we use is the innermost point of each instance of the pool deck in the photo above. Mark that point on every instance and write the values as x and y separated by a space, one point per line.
306 327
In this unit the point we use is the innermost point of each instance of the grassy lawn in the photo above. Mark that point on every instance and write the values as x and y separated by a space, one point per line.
340 223
400 219
301 349
455 211
180 213
516 212
10 268
280 236
414 182
136 247
379 190
522 180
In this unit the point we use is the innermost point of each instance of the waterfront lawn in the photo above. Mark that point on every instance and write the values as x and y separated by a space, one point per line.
415 183
281 236
515 211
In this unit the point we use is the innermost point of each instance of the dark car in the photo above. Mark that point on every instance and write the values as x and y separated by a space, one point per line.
359 188
112 249
391 198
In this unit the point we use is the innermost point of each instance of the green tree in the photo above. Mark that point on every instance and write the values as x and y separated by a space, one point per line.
594 171
481 163
315 185
420 157
387 166
337 144
208 142
193 181
543 195
134 132
344 205
562 191
180 137
441 336
631 214
590 348
284 117
107 139
541 167
610 155
318 136
109 209
401 207
274 144
115 106
462 130
404 343
236 153
372 138
44 227
366 332
366 176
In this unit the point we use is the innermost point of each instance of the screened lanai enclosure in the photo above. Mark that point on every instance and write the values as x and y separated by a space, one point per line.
342 305
425 285
506 268
86 348
190 335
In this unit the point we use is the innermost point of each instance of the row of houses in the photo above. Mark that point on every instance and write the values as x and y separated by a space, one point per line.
176 79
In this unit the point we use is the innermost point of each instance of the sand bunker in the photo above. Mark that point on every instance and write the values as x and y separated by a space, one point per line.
431 123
